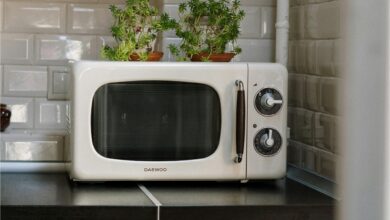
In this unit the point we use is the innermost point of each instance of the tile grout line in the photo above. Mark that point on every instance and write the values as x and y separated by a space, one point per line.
152 198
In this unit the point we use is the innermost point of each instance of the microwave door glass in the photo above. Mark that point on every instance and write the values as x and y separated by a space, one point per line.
156 121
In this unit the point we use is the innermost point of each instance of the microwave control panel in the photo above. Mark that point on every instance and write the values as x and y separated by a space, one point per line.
267 121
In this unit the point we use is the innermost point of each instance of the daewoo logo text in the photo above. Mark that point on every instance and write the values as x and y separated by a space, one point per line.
155 169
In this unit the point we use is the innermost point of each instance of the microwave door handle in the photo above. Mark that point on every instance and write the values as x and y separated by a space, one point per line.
240 121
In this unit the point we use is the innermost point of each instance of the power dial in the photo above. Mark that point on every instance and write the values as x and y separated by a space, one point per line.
268 141
268 101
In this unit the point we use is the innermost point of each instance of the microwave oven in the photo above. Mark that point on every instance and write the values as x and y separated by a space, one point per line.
177 121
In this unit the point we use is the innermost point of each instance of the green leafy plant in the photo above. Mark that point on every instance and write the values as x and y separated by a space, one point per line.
135 30
207 26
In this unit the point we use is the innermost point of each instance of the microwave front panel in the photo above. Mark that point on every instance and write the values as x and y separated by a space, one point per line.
155 121
267 124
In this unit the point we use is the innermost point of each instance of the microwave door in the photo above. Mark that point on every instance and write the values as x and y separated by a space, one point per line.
156 121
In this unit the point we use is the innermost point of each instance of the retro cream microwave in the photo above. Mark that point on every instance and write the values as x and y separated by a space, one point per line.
177 121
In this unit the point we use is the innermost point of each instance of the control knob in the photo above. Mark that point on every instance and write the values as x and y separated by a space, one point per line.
268 101
268 141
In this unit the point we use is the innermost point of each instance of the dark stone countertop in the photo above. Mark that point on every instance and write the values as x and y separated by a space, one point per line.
54 196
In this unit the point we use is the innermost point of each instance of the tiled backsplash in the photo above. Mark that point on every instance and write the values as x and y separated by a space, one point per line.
37 39
313 85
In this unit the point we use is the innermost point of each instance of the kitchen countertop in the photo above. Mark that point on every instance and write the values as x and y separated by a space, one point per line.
54 196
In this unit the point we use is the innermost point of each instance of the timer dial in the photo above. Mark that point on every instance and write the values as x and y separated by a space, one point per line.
267 141
268 101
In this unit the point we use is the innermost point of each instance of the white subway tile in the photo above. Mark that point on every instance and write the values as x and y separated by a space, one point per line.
312 93
290 119
89 19
323 20
326 132
296 90
22 111
50 114
34 17
251 25
256 51
328 57
268 19
58 49
301 59
336 64
294 153
297 22
293 2
337 147
302 125
16 48
58 83
329 90
306 60
326 164
18 147
292 56
25 81
309 157
293 16
311 57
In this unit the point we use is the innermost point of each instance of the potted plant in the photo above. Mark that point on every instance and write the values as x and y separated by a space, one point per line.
206 28
135 31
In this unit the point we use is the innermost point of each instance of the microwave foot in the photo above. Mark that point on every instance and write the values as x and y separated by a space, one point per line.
244 181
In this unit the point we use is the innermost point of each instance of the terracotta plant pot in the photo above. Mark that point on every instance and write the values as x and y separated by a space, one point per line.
215 57
5 117
153 56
